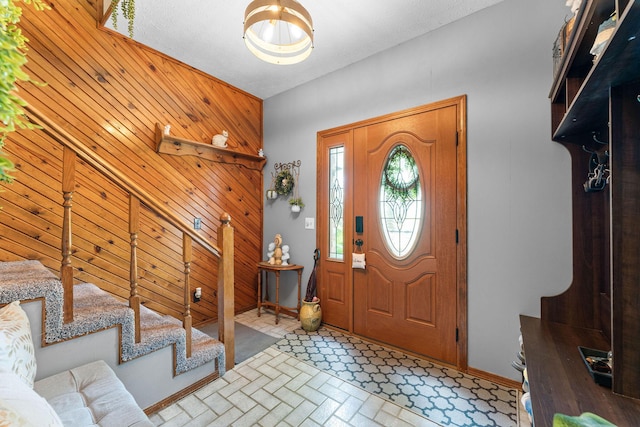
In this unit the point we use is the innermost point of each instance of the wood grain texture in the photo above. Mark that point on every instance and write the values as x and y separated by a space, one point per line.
590 252
559 379
625 253
109 92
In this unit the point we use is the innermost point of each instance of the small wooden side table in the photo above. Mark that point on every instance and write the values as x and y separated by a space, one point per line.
276 269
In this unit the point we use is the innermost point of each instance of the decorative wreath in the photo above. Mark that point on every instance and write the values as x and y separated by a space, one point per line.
284 182
401 174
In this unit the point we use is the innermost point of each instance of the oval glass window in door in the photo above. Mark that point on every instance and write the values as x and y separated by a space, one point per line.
400 202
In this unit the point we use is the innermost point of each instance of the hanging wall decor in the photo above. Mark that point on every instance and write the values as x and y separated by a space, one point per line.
284 182
286 176
296 201
272 194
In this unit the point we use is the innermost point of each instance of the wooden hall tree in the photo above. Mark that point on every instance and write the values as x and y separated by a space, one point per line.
595 111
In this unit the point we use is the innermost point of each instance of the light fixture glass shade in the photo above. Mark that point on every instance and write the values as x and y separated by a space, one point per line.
278 31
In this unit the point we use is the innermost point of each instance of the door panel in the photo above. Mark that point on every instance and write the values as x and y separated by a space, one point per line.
409 301
421 299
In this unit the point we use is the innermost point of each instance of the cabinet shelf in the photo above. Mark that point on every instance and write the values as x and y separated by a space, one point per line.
168 144
580 94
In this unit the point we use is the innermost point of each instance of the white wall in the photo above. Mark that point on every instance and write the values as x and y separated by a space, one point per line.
519 196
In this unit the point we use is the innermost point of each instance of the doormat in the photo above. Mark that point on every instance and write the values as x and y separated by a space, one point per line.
441 394
249 341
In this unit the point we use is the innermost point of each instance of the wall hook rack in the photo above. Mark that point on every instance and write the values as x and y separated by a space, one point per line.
599 172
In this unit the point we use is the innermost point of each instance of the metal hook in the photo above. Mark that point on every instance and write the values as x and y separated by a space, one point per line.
597 140
587 150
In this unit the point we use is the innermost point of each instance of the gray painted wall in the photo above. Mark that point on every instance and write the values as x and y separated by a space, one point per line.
519 196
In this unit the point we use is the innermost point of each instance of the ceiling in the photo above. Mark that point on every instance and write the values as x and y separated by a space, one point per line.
207 34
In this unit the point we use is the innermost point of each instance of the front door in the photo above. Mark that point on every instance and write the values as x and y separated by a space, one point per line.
401 205
405 171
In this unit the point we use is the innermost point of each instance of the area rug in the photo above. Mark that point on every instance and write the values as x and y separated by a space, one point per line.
249 341
443 395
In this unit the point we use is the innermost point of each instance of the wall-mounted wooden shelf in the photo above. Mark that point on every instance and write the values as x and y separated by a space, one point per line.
167 144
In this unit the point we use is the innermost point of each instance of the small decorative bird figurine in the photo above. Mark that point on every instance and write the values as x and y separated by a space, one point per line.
220 140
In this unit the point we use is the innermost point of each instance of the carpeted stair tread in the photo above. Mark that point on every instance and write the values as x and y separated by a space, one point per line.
21 273
29 280
156 331
96 309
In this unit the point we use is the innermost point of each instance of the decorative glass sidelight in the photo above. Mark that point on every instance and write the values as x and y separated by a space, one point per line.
336 203
400 202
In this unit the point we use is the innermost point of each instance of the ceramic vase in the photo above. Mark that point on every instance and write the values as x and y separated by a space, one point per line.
310 315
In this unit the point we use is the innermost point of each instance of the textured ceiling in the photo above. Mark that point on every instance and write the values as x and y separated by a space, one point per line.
207 34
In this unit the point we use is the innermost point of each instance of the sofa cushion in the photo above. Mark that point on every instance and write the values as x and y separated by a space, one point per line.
91 395
16 346
20 405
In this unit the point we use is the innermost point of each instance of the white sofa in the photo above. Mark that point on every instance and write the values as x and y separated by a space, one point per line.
89 395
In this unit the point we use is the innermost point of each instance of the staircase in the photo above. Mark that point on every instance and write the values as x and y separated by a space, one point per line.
71 310
96 310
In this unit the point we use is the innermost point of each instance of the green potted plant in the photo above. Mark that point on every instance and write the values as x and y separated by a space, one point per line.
13 47
296 204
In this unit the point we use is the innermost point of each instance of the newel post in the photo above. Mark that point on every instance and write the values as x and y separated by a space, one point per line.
66 269
226 283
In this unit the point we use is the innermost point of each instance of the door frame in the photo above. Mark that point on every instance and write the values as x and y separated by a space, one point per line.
460 102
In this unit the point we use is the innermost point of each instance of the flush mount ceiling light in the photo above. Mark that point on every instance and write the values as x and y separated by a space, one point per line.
278 31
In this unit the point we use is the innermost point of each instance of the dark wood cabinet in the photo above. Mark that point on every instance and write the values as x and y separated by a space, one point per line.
595 109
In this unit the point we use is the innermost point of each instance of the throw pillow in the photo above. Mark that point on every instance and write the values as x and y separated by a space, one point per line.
22 406
16 345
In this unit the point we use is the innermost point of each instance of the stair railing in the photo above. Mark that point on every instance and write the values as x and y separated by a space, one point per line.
73 148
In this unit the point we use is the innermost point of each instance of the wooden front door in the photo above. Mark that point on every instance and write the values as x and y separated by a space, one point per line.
401 202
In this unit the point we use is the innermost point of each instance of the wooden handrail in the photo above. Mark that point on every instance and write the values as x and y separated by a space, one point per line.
121 180
73 148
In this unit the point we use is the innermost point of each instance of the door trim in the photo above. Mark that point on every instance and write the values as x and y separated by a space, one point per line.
460 102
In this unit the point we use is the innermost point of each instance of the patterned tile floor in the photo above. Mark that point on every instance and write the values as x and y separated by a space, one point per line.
327 378
441 394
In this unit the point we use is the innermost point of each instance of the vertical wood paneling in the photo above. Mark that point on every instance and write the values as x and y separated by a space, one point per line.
109 92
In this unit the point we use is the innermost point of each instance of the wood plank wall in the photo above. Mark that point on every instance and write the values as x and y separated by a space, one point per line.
109 92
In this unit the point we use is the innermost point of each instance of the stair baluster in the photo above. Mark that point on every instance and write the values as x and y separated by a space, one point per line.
186 258
74 148
66 269
134 226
